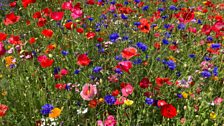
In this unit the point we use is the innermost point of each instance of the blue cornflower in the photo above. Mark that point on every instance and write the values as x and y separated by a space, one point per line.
119 58
113 2
46 109
113 37
56 70
165 41
172 7
118 71
137 61
97 69
137 1
165 16
207 58
126 3
125 38
91 19
205 74
215 71
216 46
142 46
166 26
161 9
199 22
76 71
123 16
209 38
145 8
181 26
64 53
171 64
167 35
192 55
149 101
109 99
179 95
137 23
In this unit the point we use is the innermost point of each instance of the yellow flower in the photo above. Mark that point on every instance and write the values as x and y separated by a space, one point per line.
128 102
101 100
172 58
55 113
215 78
212 115
9 60
185 95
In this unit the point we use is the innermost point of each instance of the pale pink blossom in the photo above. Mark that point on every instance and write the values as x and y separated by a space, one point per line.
218 101
88 92
127 90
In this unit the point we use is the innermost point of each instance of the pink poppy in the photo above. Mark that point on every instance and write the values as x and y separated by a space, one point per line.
57 16
88 92
2 49
120 100
125 66
218 101
66 6
127 90
76 13
110 121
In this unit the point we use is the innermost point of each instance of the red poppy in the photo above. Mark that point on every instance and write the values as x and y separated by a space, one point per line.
46 11
144 26
206 29
92 103
27 22
11 19
187 16
90 35
161 81
44 61
173 47
37 15
115 92
80 30
90 2
129 52
32 40
218 26
157 45
100 39
57 16
144 83
3 110
60 86
70 25
12 4
161 103
25 3
125 66
3 36
15 40
83 60
47 33
41 22
168 111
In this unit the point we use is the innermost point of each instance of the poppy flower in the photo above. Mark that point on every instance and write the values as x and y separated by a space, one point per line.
206 29
60 86
66 5
115 92
44 61
57 16
90 2
187 16
37 15
3 110
25 3
55 113
168 111
144 26
161 81
3 36
12 4
92 103
218 26
88 92
80 30
32 40
90 35
47 33
127 90
161 103
15 40
76 13
11 19
83 60
144 83
70 25
129 52
125 66
46 11
2 49
41 22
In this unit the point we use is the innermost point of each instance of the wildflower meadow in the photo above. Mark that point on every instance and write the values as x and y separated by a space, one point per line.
111 62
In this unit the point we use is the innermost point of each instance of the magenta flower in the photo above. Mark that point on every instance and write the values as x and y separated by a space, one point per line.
218 101
110 121
2 49
127 90
76 13
66 6
88 92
